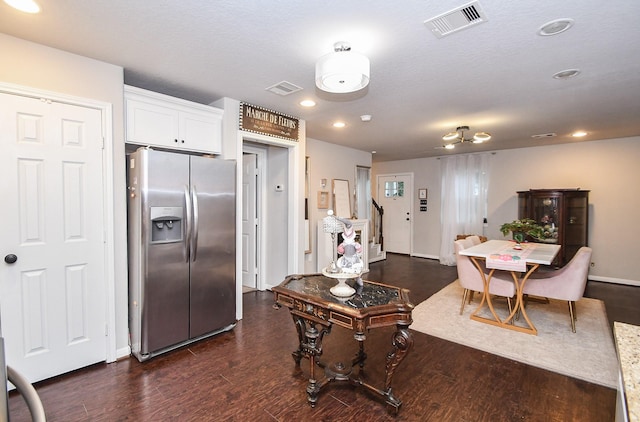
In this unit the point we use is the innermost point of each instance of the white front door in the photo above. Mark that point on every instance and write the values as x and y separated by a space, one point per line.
249 221
53 297
395 196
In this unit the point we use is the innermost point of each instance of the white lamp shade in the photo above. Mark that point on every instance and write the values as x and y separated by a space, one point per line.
342 71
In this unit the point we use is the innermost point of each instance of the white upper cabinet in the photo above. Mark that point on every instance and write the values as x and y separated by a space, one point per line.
159 120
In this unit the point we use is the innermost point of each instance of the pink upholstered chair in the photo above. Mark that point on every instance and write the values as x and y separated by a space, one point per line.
475 239
567 283
469 277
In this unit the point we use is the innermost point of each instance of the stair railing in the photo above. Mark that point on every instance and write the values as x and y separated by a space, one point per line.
377 224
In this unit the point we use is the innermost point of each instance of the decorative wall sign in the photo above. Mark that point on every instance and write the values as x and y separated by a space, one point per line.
323 199
268 122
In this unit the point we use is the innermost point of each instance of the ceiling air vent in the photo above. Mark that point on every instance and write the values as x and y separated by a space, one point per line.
544 135
457 19
284 88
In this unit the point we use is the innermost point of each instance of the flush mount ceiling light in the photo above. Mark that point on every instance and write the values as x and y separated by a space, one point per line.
342 71
27 6
457 137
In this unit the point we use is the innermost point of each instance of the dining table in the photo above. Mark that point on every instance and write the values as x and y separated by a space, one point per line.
521 260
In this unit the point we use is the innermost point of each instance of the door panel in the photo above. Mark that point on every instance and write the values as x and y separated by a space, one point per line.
249 221
52 299
213 264
164 179
394 194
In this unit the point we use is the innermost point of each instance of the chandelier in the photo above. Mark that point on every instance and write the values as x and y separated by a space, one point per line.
457 137
342 71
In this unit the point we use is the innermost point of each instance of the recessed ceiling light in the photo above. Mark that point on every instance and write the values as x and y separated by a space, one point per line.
365 117
555 27
307 103
339 124
579 134
27 6
373 152
566 74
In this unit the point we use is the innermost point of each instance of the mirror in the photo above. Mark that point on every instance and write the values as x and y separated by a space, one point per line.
341 199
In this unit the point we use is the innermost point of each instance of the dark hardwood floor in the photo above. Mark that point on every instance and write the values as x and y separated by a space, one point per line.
248 374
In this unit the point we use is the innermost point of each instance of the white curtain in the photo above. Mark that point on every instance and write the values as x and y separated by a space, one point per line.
465 183
363 197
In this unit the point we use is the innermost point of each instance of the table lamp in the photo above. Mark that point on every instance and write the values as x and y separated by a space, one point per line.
331 225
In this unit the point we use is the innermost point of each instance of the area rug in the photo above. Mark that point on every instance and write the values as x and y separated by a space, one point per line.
589 354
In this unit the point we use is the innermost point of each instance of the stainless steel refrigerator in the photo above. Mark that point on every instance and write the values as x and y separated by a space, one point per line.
182 254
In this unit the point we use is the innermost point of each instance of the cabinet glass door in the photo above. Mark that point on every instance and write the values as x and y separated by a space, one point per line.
546 213
576 224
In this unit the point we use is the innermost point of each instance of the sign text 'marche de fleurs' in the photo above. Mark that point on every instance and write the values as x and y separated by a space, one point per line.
268 122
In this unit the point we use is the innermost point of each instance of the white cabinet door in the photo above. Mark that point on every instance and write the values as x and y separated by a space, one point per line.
158 120
201 131
151 124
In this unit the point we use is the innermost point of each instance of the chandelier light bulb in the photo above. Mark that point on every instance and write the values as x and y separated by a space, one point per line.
450 136
480 137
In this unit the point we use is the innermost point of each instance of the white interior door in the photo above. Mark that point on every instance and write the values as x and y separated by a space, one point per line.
53 298
249 221
395 196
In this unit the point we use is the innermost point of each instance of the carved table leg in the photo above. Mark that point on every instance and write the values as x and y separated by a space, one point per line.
402 342
310 346
360 356
300 328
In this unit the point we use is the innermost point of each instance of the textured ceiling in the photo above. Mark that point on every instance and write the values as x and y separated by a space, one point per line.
494 77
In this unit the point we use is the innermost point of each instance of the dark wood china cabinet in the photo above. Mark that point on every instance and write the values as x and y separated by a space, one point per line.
564 214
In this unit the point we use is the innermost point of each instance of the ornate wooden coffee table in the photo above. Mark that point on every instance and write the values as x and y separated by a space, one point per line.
314 310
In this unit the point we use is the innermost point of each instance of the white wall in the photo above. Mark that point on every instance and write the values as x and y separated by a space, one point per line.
278 205
285 166
36 66
328 161
426 225
608 168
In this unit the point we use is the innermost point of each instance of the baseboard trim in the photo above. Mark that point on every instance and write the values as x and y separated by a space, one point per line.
123 352
614 280
419 255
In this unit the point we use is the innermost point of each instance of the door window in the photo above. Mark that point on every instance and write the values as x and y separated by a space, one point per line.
394 189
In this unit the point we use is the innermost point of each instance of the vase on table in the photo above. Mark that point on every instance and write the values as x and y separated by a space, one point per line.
518 237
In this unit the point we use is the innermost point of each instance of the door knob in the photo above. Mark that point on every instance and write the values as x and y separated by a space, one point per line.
10 259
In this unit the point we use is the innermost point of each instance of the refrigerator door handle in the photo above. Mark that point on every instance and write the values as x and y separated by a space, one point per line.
194 236
187 229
